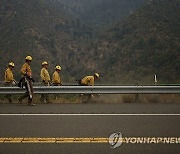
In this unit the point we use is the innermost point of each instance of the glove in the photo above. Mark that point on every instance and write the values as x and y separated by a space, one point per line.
29 74
32 79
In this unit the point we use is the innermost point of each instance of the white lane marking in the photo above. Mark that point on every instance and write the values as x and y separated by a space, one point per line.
89 114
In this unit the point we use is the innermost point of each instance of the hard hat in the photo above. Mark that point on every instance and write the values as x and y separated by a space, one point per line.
58 67
11 64
45 63
96 74
28 58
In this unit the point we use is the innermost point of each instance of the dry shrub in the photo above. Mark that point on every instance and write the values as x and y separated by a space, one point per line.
169 98
110 98
127 98
152 98
161 98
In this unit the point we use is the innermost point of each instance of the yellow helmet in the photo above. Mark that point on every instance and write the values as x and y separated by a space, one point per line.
11 64
45 63
96 74
28 58
58 67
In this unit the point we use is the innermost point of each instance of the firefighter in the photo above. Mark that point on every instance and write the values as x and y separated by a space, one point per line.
27 81
89 80
56 80
9 79
45 79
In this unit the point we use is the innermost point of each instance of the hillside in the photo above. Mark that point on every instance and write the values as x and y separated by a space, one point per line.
144 44
99 13
131 50
38 29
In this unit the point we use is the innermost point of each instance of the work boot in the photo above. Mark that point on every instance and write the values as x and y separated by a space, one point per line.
10 101
42 100
30 103
8 97
20 100
22 97
48 101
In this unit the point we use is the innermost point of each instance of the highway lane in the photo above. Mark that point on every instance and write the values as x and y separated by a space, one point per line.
91 108
89 126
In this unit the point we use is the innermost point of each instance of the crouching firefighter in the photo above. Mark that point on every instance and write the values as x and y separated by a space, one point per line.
26 81
88 81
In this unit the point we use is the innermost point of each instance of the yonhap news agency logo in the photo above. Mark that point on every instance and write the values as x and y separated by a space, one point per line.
115 140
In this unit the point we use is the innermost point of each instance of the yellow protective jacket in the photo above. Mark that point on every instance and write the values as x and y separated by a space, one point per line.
88 80
26 69
8 76
45 75
56 78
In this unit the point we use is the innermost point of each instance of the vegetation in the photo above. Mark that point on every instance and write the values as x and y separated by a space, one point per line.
144 44
39 29
99 13
123 44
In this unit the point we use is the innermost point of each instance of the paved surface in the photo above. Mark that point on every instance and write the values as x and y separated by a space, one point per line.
90 108
68 126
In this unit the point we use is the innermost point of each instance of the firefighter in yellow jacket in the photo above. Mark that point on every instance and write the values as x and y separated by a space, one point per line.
45 79
9 79
89 80
56 79
27 75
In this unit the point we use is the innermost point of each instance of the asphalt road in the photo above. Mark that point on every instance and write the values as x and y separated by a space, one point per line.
71 126
91 108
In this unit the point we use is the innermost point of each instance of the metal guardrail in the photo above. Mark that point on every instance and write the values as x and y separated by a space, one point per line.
95 90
